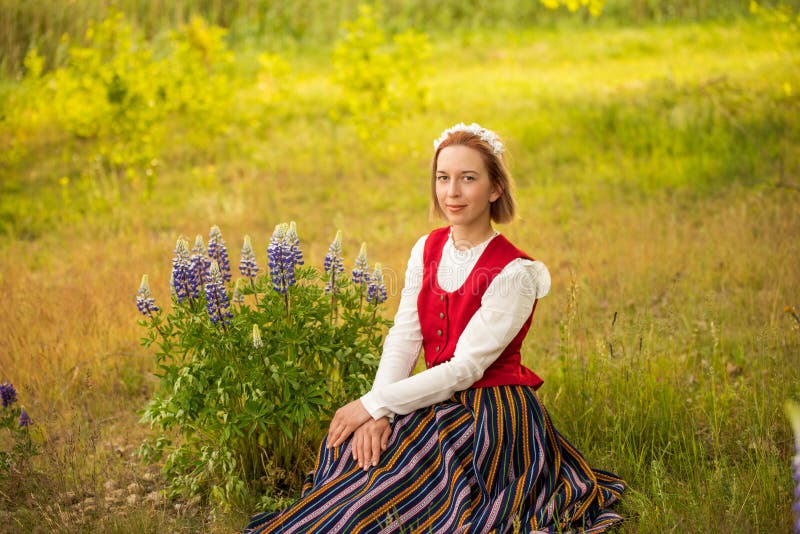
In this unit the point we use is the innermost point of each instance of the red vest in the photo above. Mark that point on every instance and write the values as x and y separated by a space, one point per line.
444 315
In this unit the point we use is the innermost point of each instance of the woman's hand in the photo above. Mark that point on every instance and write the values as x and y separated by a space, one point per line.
346 419
370 440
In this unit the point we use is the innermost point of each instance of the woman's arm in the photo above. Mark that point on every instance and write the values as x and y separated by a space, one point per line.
404 340
505 307
400 352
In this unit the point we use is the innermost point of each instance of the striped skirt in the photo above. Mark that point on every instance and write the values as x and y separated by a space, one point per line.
487 460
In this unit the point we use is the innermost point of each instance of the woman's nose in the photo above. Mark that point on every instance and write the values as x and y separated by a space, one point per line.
453 188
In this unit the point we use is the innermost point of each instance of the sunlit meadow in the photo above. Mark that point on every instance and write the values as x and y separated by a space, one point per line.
657 177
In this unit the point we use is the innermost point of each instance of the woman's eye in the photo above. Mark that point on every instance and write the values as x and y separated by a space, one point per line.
441 178
468 178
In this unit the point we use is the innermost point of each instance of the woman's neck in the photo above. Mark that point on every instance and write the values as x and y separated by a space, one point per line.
465 238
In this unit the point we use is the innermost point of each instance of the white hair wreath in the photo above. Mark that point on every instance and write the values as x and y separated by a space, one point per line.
475 129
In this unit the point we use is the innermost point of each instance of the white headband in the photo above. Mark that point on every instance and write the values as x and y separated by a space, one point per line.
475 129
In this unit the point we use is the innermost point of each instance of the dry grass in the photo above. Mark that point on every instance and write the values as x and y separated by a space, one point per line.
664 344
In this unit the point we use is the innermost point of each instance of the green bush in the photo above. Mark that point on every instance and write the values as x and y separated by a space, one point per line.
15 459
249 374
381 82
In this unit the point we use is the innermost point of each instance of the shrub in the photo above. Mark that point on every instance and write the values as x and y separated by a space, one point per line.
250 371
18 423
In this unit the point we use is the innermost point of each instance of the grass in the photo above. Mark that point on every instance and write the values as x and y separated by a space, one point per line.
647 162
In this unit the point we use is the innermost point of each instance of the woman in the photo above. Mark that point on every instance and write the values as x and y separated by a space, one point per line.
465 445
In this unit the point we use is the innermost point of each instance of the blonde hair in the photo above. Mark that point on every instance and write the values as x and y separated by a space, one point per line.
502 210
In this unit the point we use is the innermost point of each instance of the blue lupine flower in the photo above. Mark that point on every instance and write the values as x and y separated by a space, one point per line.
182 271
144 300
201 264
333 264
361 269
294 254
247 265
218 252
8 394
257 341
275 255
24 418
217 303
376 290
284 255
793 411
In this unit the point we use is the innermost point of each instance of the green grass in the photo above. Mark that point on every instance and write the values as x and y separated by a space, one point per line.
646 161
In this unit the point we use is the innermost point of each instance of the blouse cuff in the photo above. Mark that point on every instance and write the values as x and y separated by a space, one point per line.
375 410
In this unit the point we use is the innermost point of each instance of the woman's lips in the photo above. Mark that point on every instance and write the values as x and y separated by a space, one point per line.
455 207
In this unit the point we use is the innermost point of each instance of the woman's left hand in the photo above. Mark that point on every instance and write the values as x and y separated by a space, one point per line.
345 421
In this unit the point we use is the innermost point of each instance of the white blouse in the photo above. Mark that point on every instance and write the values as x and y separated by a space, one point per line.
505 306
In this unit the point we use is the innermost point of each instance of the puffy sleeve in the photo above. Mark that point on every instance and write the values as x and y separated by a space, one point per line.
505 306
403 342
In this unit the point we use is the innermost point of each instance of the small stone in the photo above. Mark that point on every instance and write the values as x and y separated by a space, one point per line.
148 477
132 499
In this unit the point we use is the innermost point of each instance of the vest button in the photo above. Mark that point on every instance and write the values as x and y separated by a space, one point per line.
441 297
438 332
441 315
437 348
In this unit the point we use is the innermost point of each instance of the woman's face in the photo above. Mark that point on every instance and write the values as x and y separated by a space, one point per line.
463 187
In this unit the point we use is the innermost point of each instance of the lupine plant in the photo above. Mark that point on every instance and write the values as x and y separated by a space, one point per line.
793 411
18 423
251 371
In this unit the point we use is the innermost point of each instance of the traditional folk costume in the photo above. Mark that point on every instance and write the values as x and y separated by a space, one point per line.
472 450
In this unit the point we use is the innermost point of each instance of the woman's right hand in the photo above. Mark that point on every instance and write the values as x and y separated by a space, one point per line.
370 440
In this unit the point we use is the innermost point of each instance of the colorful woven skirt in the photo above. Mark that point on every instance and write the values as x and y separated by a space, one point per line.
487 460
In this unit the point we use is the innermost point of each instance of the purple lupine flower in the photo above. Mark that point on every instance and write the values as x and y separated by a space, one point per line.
284 255
275 255
201 264
217 303
361 269
144 300
294 254
248 266
376 290
8 394
219 253
182 271
793 411
333 264
24 418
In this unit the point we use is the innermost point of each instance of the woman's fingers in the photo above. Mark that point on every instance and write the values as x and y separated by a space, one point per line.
346 419
355 452
365 452
385 436
376 446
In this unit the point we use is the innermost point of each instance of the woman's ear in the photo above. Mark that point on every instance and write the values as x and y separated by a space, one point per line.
497 192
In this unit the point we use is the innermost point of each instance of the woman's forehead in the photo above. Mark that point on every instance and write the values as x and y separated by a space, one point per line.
460 158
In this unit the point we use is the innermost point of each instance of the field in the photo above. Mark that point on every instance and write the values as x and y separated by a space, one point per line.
658 177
